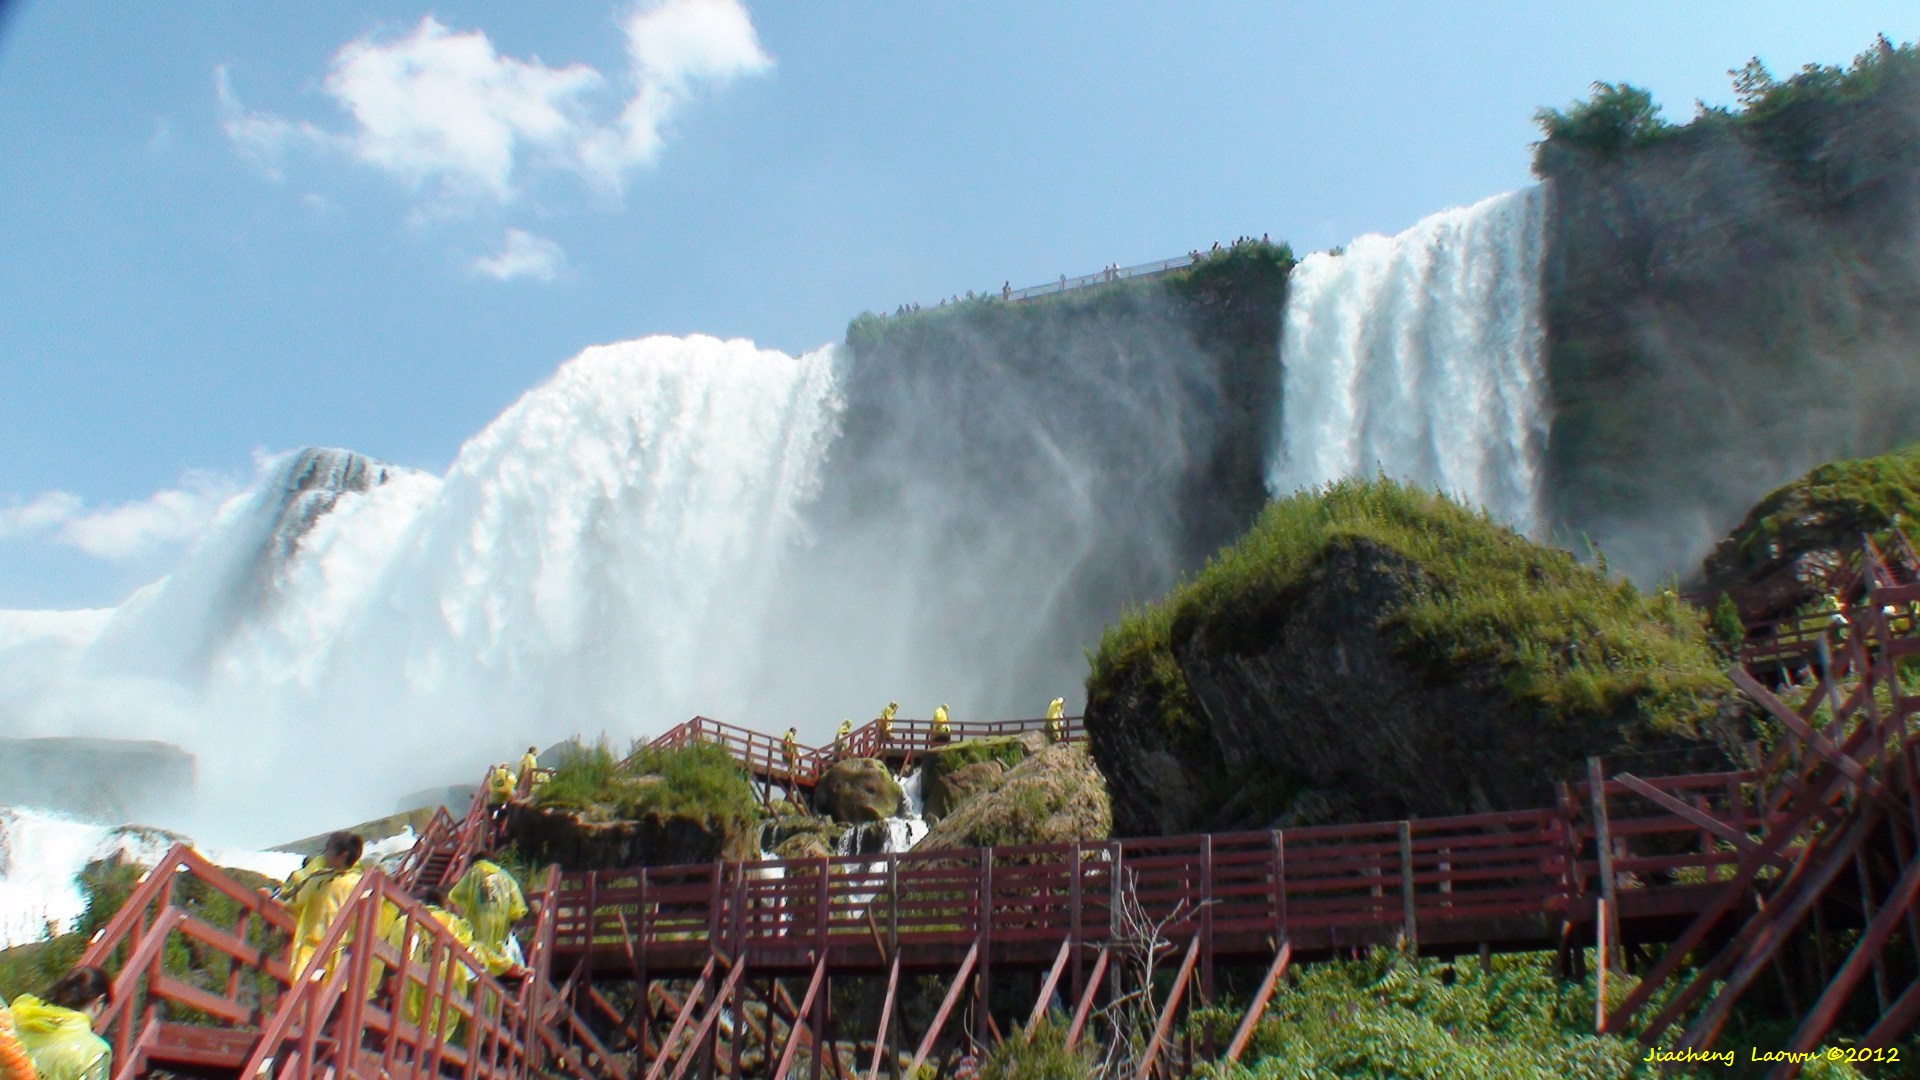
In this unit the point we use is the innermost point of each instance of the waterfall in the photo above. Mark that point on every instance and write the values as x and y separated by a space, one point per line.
599 555
1421 356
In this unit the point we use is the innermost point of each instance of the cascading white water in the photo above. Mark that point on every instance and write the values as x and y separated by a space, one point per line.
41 856
589 555
1420 356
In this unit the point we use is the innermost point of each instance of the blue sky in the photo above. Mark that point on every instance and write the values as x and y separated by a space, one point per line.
235 229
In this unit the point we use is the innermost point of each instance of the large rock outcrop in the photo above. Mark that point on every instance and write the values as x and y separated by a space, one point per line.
857 790
1729 304
1055 796
1377 652
1780 556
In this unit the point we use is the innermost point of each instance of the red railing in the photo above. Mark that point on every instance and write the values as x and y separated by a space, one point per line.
404 999
158 1015
1316 886
764 756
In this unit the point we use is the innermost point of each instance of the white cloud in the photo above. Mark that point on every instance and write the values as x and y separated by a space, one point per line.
445 113
523 255
43 512
128 530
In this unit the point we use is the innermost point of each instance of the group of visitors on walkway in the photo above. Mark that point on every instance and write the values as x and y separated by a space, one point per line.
940 732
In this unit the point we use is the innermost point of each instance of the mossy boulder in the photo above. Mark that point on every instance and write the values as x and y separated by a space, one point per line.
654 807
1779 557
950 774
1374 651
857 790
1053 797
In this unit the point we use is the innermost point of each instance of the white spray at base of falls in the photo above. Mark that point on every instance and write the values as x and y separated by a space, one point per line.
350 632
42 854
1421 356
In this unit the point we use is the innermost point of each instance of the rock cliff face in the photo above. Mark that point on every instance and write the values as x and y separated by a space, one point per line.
1377 654
1726 308
109 781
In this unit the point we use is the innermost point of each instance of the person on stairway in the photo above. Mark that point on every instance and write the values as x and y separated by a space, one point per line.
885 720
841 737
413 998
942 729
321 896
790 750
530 771
57 1032
1056 720
491 901
500 787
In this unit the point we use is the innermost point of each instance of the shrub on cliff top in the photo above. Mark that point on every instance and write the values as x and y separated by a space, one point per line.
1618 116
699 781
1558 636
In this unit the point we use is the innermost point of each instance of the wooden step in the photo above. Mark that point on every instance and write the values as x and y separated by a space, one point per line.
198 1049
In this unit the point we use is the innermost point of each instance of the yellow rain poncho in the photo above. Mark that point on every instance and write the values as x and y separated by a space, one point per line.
941 728
60 1041
491 901
15 1063
1056 720
841 736
790 748
500 784
314 906
413 1000
886 721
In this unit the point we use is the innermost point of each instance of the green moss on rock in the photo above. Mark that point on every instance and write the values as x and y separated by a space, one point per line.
1376 642
1054 797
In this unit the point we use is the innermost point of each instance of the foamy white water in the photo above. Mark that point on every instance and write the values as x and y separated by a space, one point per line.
1421 356
351 631
42 854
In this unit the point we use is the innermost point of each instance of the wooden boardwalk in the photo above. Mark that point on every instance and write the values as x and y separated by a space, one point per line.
1718 874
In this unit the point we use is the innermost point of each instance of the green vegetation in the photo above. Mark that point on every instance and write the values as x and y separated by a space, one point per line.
106 884
1830 507
1619 116
1391 1015
1045 1057
1008 750
700 781
1562 639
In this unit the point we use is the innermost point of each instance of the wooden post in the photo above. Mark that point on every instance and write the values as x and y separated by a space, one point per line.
1206 923
983 980
1410 927
1279 887
1600 970
1603 844
1073 915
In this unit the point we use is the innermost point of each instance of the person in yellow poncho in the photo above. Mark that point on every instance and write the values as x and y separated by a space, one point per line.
500 785
942 729
841 737
57 1033
886 722
1056 720
320 896
491 902
456 977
